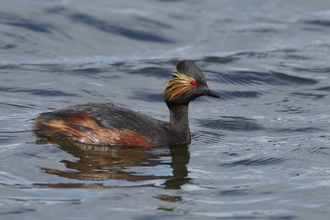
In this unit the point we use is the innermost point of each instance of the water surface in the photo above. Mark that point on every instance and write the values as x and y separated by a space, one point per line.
260 152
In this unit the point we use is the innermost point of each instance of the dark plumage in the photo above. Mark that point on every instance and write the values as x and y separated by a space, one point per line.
108 124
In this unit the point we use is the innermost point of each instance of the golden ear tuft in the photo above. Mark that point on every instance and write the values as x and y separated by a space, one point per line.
177 86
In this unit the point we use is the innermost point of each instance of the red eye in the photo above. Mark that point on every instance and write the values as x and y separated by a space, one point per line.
193 83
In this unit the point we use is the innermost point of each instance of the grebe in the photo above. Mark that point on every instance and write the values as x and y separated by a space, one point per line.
108 124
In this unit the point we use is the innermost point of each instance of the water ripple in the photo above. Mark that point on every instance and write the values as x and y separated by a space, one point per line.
260 78
40 92
323 23
227 95
29 24
116 29
220 60
256 162
231 123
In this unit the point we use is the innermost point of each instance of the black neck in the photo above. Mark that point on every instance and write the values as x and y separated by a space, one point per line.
179 119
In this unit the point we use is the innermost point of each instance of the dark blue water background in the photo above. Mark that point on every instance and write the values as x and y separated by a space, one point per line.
262 151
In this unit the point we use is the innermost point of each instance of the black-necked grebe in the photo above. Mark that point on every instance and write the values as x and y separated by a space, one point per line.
108 124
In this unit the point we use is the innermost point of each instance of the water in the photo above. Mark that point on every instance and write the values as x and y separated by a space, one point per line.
260 152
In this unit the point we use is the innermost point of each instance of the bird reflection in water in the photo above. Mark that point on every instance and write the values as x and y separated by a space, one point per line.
99 164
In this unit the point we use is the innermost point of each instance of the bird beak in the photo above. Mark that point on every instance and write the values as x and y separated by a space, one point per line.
209 92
